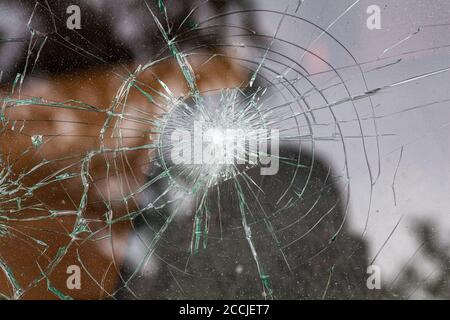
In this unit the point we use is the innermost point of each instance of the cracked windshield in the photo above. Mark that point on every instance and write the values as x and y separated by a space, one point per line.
256 149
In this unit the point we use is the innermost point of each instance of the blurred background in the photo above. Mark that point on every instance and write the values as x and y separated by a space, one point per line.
372 189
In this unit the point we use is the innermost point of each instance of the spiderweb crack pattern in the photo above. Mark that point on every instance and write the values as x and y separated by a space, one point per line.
75 172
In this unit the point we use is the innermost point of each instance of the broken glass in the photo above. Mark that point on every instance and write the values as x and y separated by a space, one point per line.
224 149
